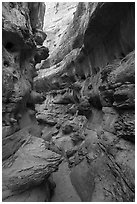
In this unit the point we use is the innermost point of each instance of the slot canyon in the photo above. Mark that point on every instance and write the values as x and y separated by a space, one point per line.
68 102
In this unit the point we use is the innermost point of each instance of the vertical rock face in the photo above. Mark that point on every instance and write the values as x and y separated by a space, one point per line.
20 54
58 17
71 32
91 73
21 24
87 114
36 14
18 63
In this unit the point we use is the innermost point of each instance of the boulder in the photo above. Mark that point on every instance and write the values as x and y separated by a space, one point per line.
35 97
117 87
40 193
84 108
67 129
67 98
124 96
41 53
9 130
12 143
39 37
46 119
29 167
49 132
63 143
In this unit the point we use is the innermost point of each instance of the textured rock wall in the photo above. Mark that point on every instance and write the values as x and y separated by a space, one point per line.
58 17
92 75
93 39
25 178
36 14
71 34
87 117
18 67
19 57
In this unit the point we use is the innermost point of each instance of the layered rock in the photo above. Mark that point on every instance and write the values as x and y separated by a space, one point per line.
30 166
27 164
92 74
57 19
19 57
87 117
83 29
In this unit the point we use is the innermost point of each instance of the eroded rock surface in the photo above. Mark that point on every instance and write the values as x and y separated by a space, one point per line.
84 108
27 164
91 77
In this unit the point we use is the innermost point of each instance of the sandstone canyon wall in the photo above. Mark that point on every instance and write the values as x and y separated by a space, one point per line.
25 168
78 110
